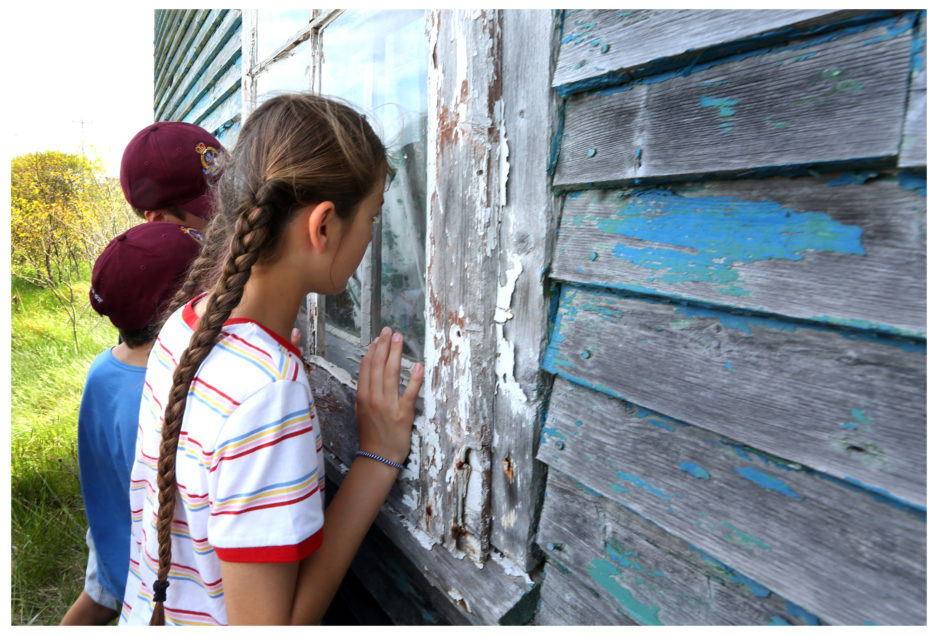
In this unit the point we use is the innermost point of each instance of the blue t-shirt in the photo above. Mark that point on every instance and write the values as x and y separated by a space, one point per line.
107 435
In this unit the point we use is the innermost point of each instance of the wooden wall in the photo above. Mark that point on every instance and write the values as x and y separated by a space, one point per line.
197 69
737 428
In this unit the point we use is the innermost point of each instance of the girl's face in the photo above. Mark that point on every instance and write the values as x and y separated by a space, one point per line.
356 237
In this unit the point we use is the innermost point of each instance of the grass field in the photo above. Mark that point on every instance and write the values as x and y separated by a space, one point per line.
47 517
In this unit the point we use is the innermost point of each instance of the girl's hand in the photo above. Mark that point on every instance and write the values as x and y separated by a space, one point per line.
384 415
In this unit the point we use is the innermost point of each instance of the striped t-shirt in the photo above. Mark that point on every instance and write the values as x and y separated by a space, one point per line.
249 468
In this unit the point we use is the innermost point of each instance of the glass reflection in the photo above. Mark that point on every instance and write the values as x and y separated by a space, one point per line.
378 61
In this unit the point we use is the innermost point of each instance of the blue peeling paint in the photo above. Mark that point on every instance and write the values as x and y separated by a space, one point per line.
725 108
729 366
733 575
713 234
695 470
639 483
604 574
776 620
764 480
914 181
795 610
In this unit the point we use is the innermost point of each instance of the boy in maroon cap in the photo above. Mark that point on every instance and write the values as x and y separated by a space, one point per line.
167 172
134 278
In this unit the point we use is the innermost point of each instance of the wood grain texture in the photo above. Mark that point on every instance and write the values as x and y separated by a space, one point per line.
641 573
194 50
528 218
212 73
598 42
488 594
847 555
838 98
914 143
839 248
841 402
464 181
172 49
566 599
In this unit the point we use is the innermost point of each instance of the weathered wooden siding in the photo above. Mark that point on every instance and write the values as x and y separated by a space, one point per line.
737 428
197 69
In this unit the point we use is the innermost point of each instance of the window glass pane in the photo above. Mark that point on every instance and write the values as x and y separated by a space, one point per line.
275 27
292 73
378 61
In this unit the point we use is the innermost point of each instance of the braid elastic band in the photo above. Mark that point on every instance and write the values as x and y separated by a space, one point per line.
159 591
379 458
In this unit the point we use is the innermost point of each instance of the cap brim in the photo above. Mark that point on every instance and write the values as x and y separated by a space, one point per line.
202 206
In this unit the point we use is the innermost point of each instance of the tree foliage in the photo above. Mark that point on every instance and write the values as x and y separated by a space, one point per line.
63 211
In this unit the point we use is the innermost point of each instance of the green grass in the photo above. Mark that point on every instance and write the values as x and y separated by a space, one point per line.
47 517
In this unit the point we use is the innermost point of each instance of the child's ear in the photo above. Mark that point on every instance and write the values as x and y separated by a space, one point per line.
319 225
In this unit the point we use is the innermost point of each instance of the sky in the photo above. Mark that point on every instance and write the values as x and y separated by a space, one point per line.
80 78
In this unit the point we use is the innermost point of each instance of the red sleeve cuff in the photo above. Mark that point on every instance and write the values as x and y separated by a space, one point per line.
274 553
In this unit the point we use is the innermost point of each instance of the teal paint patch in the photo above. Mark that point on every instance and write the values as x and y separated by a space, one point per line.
776 620
795 610
695 470
709 236
643 485
605 574
769 482
737 537
724 106
729 366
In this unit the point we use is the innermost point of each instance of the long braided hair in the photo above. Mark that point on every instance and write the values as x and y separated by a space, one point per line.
294 150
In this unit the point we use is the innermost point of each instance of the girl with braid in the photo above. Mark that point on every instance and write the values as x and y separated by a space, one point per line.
228 519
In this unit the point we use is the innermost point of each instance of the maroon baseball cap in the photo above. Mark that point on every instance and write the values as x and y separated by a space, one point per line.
172 163
140 271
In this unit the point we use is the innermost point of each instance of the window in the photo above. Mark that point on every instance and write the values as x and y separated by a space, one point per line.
377 60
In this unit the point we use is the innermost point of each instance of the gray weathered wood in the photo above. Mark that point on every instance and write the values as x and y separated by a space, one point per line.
839 402
840 248
464 140
566 599
833 99
527 224
914 144
641 572
173 51
849 555
200 28
601 41
212 69
488 594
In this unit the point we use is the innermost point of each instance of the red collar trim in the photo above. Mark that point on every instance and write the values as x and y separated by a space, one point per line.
192 320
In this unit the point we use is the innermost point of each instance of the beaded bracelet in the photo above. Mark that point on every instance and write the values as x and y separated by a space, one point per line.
381 459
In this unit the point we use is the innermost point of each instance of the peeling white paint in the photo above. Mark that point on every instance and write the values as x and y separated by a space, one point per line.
509 519
511 568
503 157
339 373
505 363
458 598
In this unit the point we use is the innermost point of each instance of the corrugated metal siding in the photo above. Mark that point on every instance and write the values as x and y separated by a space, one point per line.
197 69
737 430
